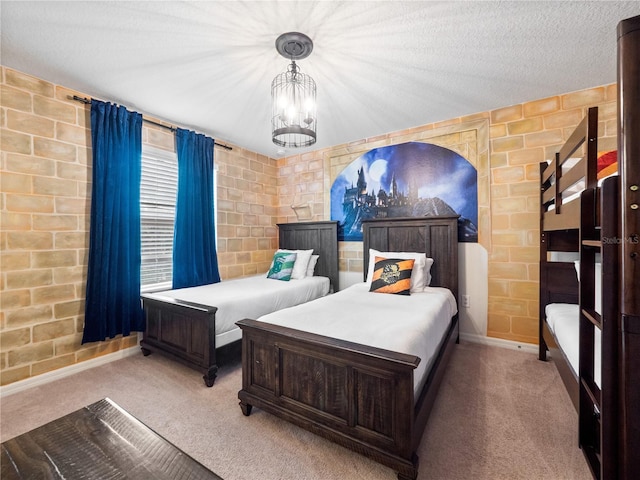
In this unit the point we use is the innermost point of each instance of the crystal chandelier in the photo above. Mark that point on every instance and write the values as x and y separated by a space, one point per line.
293 96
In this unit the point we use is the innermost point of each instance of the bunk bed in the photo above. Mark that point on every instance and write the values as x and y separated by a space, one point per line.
596 294
562 181
196 326
361 396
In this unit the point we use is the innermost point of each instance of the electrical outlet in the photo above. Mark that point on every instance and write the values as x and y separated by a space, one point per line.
465 301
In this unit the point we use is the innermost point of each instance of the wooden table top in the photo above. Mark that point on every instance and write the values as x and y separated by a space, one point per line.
100 441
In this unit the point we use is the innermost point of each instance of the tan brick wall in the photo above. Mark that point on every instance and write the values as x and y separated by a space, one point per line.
247 210
45 188
518 137
521 137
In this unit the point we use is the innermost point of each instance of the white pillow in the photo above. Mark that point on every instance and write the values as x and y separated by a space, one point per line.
427 272
421 267
302 261
312 265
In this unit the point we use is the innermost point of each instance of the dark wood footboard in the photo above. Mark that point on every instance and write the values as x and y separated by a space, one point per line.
358 396
183 331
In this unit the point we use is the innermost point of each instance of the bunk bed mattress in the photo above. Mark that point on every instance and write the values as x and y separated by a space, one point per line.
249 297
574 191
564 321
414 324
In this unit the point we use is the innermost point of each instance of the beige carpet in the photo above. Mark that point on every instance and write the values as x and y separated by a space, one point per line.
500 414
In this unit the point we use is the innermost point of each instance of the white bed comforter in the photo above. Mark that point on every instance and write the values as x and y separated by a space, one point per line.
414 324
249 297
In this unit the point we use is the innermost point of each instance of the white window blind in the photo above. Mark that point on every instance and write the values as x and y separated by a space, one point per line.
158 189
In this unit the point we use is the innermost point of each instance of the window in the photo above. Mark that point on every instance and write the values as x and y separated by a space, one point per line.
158 189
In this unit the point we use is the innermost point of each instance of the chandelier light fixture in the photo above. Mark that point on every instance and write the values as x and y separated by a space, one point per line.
293 96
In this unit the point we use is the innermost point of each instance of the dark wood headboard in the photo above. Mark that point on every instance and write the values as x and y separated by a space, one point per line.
322 237
435 236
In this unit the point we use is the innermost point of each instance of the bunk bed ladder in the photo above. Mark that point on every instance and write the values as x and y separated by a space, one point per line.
597 382
598 397
589 407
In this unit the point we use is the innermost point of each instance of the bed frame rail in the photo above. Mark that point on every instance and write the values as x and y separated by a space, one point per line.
555 182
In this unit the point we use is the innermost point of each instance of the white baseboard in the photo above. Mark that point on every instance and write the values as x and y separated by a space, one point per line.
54 375
499 342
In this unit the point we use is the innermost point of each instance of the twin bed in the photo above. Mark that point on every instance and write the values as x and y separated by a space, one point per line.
195 325
589 289
358 367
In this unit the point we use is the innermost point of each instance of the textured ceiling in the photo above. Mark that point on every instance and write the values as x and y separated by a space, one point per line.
379 66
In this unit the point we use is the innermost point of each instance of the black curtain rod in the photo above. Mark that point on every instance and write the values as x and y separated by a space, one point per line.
168 127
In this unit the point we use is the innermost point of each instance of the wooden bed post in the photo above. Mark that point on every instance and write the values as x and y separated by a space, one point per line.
542 346
629 167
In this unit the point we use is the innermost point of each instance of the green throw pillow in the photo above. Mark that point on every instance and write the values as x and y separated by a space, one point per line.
282 266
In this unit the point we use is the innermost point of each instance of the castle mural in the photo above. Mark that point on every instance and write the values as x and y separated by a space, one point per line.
407 180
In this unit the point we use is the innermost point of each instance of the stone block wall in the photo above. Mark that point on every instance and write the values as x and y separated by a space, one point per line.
521 137
45 187
247 212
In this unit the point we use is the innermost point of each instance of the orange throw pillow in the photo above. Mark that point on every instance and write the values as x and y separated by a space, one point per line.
392 275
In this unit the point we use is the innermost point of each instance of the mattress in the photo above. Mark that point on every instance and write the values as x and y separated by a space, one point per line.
248 297
564 321
414 324
573 192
